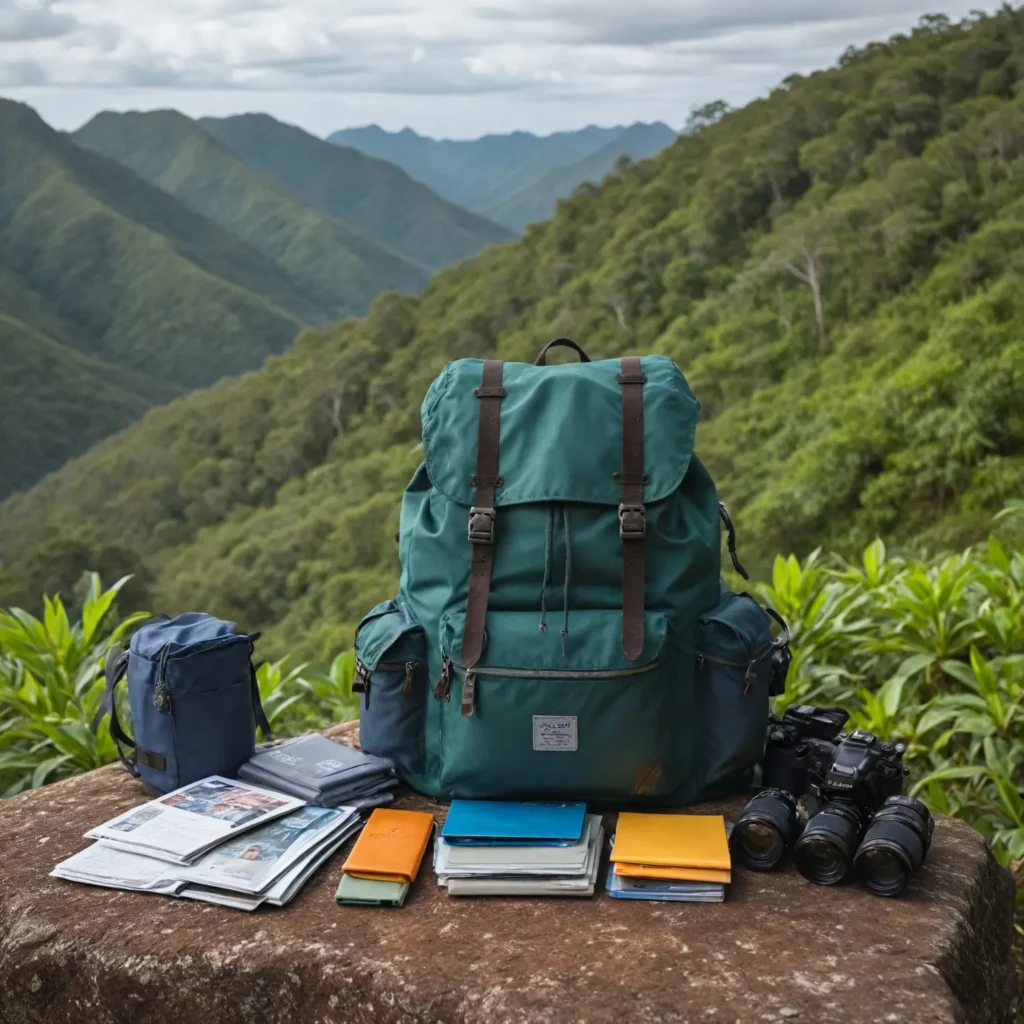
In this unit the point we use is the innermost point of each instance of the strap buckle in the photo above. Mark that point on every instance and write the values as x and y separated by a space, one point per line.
632 522
481 525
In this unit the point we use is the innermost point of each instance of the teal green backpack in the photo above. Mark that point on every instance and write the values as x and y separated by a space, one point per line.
560 551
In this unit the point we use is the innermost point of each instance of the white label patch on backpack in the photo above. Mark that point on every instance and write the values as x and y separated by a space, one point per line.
554 732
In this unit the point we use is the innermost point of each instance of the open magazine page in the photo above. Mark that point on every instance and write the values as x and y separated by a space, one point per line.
115 869
182 825
251 862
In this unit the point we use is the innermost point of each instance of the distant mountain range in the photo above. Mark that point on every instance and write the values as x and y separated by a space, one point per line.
514 179
370 195
148 254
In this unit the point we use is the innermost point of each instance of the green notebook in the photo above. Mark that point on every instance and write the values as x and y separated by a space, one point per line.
368 893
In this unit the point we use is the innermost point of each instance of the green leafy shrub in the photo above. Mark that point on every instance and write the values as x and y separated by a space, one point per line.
51 685
299 699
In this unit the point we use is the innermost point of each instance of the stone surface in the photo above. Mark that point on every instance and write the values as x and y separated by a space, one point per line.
780 949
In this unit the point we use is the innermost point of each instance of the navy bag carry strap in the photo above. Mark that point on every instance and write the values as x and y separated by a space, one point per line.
114 669
257 704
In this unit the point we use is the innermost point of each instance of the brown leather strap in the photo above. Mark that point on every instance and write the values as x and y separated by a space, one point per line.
632 514
481 515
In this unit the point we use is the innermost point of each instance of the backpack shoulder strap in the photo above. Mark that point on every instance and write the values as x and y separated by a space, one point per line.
481 516
257 704
114 670
632 514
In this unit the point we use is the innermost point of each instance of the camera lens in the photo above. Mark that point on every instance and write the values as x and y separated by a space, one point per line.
765 830
824 853
894 845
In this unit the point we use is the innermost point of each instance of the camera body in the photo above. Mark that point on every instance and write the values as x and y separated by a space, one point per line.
807 753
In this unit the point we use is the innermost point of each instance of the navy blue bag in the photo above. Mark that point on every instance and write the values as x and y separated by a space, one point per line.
194 700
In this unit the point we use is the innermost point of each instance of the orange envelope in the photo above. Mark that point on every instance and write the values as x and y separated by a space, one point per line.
672 840
391 845
676 874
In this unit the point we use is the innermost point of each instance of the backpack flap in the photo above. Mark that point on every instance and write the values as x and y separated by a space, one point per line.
549 414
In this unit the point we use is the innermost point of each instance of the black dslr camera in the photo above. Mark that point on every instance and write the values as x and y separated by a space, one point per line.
852 783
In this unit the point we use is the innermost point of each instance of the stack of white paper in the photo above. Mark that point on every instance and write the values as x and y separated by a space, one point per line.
254 863
509 870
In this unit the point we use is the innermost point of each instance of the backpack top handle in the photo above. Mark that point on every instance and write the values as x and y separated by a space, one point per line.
542 359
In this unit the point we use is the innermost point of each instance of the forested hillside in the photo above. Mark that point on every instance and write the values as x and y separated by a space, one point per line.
372 196
515 178
836 268
113 297
340 270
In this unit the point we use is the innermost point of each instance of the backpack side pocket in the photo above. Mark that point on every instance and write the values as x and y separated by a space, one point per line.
737 671
391 675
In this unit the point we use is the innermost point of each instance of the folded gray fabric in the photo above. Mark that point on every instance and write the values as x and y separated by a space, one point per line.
367 786
320 771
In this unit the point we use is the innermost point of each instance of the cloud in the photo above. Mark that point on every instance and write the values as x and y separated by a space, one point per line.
656 22
25 20
478 58
20 73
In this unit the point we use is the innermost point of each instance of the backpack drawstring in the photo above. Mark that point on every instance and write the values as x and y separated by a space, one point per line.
549 541
568 575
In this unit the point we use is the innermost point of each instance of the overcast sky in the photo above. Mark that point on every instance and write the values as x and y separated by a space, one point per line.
456 68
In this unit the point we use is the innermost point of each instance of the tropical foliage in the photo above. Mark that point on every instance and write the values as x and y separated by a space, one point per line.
835 267
51 687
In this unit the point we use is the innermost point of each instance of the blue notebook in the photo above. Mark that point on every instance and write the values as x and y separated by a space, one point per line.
500 823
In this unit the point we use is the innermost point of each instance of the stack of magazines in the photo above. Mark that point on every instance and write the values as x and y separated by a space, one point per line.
320 771
217 840
492 848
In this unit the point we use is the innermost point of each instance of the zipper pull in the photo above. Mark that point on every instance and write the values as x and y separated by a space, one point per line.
700 662
443 688
161 696
161 691
410 671
468 694
749 679
361 683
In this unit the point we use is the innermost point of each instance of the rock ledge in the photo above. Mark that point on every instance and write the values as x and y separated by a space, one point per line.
778 950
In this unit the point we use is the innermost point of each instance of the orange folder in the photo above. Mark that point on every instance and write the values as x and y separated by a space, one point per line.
676 874
672 840
391 846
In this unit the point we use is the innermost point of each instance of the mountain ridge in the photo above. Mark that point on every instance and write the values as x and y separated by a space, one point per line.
535 201
368 194
482 173
337 268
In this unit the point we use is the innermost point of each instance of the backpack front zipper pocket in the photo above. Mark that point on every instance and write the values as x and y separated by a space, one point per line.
734 674
391 676
528 722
